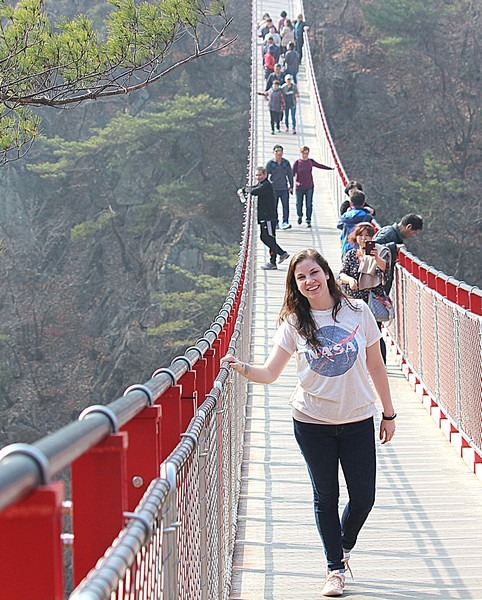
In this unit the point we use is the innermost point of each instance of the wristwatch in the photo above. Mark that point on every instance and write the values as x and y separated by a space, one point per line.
385 418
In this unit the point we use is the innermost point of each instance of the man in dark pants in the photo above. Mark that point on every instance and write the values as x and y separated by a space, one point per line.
267 217
281 176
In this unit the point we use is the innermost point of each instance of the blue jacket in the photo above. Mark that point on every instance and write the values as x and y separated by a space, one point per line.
347 224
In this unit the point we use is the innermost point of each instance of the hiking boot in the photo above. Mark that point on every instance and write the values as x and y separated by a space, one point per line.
334 584
283 257
269 266
300 220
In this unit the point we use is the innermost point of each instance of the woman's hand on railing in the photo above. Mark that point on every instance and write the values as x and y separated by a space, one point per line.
240 367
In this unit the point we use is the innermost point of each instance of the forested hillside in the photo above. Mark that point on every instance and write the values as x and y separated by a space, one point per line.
120 232
401 84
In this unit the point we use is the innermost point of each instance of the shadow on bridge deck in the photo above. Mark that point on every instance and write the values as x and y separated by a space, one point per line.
424 537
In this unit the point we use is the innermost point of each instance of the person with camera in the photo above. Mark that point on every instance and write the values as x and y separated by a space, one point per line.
364 267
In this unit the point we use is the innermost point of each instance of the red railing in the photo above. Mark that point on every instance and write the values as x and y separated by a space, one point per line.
464 295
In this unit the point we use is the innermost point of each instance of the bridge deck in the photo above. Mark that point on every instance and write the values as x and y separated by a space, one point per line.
424 537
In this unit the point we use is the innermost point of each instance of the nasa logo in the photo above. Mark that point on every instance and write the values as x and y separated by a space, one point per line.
337 352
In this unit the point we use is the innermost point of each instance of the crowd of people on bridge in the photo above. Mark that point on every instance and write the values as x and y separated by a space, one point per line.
282 53
331 323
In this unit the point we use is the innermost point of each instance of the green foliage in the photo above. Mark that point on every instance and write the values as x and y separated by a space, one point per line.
394 47
221 255
423 194
172 328
199 303
56 64
161 157
92 226
5 379
405 20
125 135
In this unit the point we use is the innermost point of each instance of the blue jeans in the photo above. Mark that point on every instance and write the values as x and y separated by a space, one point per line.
284 196
292 110
300 195
324 447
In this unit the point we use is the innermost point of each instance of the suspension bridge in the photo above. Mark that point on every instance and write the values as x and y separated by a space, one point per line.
190 486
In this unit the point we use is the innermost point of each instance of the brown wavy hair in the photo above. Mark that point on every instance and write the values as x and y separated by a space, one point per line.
297 305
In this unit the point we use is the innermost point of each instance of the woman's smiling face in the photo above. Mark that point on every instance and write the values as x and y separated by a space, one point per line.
311 280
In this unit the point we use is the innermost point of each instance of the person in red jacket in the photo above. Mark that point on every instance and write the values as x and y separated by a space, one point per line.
302 172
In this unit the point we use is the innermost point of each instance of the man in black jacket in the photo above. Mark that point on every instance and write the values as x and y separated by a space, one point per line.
394 236
267 217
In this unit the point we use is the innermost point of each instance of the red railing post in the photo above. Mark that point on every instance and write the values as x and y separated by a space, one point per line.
476 301
440 282
463 295
31 547
210 356
423 273
200 369
188 398
99 498
451 289
432 279
217 354
171 421
143 453
223 342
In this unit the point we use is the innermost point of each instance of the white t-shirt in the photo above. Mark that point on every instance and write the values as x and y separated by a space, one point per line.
333 384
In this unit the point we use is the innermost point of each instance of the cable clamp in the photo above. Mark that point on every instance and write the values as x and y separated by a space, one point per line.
32 452
104 410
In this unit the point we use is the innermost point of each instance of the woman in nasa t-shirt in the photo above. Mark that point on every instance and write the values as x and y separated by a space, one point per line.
335 340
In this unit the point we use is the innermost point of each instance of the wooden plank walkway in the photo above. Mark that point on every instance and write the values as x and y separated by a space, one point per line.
423 539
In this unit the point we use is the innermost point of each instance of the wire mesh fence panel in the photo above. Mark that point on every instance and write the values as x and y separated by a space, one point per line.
412 320
213 509
188 529
470 375
446 356
428 339
397 326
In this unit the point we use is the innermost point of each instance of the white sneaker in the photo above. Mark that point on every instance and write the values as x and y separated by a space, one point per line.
334 584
